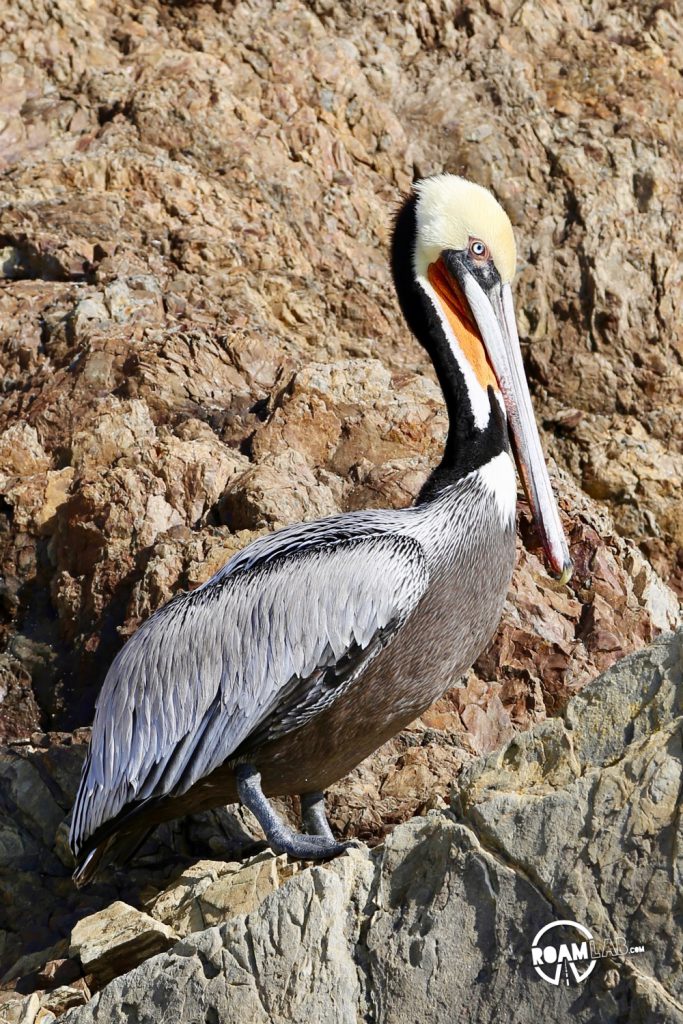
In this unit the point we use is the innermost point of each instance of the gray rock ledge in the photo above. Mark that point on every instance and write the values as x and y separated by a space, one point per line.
576 819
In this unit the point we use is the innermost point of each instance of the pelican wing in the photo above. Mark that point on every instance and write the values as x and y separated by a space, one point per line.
214 666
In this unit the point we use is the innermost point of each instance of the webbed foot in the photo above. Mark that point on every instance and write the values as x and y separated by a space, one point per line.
282 838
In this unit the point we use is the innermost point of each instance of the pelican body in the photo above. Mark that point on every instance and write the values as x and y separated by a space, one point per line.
317 643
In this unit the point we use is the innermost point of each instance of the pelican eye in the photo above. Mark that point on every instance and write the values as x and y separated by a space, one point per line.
479 250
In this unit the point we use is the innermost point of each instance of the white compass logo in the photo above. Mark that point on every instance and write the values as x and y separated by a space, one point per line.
555 955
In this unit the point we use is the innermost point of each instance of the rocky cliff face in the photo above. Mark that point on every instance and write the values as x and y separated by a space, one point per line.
576 820
198 342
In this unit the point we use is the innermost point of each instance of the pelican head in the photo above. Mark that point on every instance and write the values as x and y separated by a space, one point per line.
453 260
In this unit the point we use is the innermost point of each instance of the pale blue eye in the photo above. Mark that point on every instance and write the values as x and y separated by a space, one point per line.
477 249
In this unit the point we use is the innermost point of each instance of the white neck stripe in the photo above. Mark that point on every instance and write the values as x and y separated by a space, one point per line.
481 408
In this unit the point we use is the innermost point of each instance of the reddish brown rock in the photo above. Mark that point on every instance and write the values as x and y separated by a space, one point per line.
199 339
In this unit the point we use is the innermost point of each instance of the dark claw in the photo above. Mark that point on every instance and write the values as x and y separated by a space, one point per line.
307 847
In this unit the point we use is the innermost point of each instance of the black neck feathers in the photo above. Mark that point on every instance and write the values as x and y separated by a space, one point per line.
467 447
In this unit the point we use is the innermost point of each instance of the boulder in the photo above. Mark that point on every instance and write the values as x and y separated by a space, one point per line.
573 825
116 939
199 339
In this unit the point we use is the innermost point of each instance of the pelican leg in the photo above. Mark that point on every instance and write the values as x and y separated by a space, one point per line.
281 838
313 815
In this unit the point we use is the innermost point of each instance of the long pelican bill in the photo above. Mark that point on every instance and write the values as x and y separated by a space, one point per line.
494 313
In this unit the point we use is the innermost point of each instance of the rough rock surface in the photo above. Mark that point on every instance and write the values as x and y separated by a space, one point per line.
195 293
577 819
108 942
198 342
210 891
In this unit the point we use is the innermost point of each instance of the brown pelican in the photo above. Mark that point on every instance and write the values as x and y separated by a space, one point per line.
316 644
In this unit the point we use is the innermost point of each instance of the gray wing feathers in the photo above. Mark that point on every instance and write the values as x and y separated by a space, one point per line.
202 673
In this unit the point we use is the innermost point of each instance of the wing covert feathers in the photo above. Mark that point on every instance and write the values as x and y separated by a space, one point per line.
205 671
